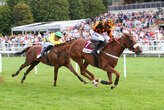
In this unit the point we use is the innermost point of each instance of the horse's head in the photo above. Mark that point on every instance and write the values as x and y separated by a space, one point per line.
130 43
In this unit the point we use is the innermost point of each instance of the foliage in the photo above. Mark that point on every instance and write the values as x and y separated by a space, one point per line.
106 3
53 10
142 89
76 9
94 8
22 14
12 3
5 19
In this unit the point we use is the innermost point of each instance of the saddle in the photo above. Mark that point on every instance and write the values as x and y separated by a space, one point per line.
45 54
88 47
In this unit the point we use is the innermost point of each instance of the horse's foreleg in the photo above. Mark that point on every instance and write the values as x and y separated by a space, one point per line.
88 72
28 70
56 68
69 66
21 67
110 71
106 82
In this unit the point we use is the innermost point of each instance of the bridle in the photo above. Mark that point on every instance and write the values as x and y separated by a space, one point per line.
132 45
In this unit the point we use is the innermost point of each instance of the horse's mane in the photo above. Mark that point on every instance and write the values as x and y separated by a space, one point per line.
124 35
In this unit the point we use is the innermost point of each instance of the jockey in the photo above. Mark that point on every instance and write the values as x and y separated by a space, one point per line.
98 34
49 41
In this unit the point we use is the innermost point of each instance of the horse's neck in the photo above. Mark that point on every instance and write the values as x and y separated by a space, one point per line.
114 48
64 47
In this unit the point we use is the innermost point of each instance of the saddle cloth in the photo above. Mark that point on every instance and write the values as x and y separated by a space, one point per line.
88 47
41 49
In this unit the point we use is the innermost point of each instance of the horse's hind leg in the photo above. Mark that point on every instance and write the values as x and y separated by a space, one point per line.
21 67
55 74
83 71
69 66
88 72
28 70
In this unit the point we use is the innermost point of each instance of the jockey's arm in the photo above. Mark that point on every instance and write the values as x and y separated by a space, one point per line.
110 34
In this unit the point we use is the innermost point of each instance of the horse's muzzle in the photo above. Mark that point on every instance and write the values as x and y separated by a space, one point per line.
139 52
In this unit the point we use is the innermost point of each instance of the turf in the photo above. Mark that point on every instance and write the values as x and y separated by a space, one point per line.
143 89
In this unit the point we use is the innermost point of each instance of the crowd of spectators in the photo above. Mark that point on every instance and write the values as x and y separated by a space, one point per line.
143 25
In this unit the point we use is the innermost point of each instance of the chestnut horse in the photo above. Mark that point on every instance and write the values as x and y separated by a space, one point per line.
57 57
107 58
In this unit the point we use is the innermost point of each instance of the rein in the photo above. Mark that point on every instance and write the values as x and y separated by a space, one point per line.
110 55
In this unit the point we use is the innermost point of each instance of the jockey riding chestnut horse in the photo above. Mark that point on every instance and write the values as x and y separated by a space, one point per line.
107 57
57 57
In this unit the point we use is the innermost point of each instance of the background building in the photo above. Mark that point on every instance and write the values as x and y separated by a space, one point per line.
121 2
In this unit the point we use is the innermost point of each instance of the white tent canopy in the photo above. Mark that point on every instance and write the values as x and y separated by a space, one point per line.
46 26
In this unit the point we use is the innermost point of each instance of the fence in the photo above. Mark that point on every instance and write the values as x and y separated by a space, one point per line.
137 6
155 47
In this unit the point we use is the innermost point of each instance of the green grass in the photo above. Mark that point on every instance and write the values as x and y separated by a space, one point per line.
143 89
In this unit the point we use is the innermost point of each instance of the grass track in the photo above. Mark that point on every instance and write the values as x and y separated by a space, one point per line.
143 89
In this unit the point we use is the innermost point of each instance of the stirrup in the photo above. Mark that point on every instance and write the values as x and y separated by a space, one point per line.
38 56
98 51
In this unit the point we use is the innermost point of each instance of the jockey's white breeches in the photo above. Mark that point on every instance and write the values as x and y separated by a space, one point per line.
45 44
97 37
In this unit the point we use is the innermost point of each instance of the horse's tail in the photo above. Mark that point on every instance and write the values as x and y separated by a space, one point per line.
23 51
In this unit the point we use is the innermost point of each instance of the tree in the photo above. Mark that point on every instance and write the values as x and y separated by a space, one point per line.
52 10
86 8
12 3
106 3
76 9
36 9
22 14
94 8
5 19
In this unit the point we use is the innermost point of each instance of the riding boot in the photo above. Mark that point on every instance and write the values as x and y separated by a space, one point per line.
98 46
45 49
94 52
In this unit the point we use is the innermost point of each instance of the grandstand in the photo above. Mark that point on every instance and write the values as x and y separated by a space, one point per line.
46 26
136 7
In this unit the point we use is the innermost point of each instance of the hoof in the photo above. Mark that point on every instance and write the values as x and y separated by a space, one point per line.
85 82
54 85
98 80
112 87
13 75
22 81
96 85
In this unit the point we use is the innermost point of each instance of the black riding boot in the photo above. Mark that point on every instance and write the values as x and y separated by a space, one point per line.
98 45
45 49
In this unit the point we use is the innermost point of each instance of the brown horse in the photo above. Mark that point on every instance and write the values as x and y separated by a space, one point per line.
107 58
57 57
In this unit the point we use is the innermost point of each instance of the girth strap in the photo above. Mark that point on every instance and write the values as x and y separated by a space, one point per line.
47 59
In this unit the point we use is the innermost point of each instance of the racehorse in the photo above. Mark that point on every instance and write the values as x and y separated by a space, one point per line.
107 58
57 57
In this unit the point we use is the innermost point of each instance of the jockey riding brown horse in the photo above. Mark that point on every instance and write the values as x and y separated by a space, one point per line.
107 58
57 57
